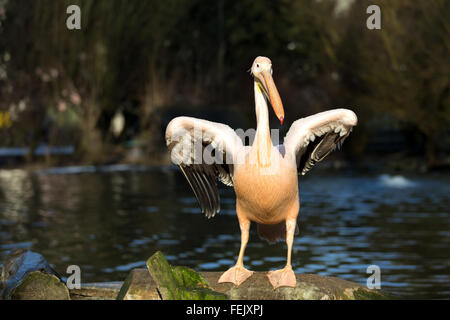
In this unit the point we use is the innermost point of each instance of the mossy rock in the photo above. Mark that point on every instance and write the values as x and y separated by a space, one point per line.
371 294
179 283
138 286
141 286
40 286
309 287
27 275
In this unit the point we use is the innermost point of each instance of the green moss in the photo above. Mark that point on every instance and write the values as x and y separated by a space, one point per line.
363 294
187 277
180 283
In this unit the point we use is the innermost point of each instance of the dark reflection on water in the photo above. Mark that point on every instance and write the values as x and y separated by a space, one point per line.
111 221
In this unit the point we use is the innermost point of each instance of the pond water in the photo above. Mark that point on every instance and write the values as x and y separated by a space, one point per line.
109 220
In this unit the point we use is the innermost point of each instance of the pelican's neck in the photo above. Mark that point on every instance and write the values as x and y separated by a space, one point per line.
262 114
262 141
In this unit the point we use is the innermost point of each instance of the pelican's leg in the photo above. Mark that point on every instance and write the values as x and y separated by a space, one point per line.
285 276
238 274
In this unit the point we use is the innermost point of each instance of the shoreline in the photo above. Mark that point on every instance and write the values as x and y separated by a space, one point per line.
369 164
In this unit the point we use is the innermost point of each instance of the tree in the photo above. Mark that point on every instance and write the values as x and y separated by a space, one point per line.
403 70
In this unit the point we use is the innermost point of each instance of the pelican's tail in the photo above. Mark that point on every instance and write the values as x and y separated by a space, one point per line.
273 233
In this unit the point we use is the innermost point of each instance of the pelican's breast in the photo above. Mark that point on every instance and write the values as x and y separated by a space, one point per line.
266 192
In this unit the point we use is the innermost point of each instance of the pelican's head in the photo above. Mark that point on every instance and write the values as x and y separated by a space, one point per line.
262 73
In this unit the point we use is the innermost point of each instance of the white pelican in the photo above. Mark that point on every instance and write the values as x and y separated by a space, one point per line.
264 176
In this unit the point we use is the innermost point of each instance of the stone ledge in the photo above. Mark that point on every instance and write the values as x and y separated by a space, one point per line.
141 286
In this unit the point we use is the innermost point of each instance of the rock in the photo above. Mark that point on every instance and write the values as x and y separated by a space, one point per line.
309 287
179 283
27 275
139 285
40 286
257 287
97 291
166 282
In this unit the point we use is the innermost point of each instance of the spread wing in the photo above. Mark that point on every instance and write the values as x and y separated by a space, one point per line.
312 138
205 152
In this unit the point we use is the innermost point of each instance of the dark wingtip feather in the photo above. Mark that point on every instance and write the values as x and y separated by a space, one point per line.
203 183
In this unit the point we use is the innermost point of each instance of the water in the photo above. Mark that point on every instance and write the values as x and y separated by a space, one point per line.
110 220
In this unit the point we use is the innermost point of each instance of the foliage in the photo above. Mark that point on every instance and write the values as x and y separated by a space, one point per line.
64 86
403 70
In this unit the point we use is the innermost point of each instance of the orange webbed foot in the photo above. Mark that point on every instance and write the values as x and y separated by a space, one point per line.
282 278
236 275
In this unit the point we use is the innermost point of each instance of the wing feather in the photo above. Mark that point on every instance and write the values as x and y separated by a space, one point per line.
313 138
187 140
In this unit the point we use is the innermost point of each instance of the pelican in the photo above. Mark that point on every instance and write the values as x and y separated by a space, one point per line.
264 175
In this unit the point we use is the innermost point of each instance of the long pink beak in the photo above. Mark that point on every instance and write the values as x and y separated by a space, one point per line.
273 95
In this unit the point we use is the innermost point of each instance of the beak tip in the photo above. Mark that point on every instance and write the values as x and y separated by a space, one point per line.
281 119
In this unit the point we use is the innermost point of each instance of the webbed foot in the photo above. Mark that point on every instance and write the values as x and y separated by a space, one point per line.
236 275
282 278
